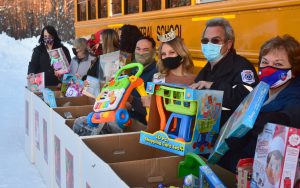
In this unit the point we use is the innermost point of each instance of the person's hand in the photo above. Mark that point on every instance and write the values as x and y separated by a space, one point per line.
78 75
201 85
58 86
57 74
128 106
146 101
86 83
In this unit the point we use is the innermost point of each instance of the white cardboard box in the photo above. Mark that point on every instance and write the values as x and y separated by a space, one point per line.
43 139
119 160
29 128
66 148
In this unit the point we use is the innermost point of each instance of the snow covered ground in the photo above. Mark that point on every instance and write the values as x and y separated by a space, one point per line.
15 169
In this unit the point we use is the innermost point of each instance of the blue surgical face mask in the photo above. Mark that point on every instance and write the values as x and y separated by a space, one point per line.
212 52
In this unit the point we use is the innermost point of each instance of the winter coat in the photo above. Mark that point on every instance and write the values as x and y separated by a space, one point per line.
81 67
40 62
234 75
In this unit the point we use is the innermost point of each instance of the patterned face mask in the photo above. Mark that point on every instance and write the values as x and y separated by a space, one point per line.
275 77
48 40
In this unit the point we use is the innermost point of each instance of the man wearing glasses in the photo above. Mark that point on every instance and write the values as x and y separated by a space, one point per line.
225 70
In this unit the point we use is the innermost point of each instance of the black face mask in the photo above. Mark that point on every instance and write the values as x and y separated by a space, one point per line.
74 51
172 62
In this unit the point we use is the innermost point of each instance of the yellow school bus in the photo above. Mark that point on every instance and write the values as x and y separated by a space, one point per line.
254 21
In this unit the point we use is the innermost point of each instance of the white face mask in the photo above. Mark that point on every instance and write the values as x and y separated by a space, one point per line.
212 52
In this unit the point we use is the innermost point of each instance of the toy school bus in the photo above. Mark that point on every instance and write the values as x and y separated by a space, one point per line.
254 21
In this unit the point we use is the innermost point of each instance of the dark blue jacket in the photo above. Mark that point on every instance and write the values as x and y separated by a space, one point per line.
230 75
138 111
284 110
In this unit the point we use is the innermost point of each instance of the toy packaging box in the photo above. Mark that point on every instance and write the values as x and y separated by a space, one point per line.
59 62
92 89
36 82
181 119
276 157
241 121
49 97
109 65
244 172
71 86
208 179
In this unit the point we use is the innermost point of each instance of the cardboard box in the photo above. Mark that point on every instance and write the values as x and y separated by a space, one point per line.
276 157
74 101
29 126
73 112
181 119
241 121
67 171
120 161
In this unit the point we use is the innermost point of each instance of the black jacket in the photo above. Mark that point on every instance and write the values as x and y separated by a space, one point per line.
230 75
284 110
138 111
40 62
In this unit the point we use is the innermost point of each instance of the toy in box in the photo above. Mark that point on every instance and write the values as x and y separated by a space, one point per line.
241 121
110 104
208 179
181 119
244 172
49 97
36 82
276 157
109 65
92 89
58 61
71 86
196 173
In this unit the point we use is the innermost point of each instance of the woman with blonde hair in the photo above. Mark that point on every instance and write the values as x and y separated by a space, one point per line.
110 41
175 64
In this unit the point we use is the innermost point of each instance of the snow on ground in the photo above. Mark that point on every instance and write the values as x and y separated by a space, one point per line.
15 169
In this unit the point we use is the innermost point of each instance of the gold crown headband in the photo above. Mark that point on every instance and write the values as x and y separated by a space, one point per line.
168 36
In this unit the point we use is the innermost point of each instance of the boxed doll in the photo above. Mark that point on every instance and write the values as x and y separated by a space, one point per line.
276 157
59 62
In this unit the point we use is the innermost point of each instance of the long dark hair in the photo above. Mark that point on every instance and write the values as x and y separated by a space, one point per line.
52 31
130 34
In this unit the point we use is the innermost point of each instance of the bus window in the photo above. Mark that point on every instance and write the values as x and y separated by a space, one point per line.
116 7
91 9
177 3
149 5
102 8
81 11
206 1
131 6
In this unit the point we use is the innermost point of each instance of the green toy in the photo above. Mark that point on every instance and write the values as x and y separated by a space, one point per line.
190 165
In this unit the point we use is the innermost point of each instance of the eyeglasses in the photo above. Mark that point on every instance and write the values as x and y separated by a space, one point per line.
214 40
